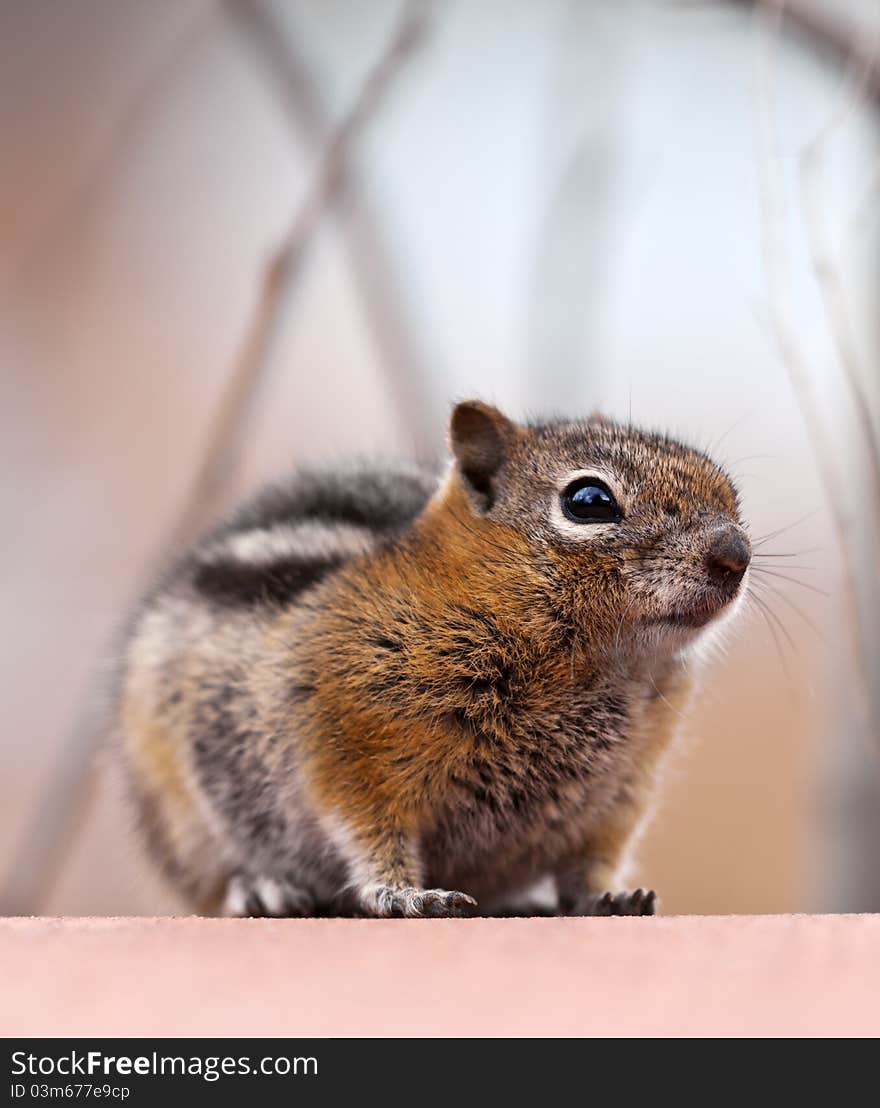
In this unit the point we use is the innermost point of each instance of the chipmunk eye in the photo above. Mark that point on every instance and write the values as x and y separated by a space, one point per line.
589 500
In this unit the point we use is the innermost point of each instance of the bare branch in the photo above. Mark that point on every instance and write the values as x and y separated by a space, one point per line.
281 277
370 258
773 226
62 810
828 277
864 211
827 34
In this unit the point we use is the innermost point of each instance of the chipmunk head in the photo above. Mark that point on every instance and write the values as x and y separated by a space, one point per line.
635 529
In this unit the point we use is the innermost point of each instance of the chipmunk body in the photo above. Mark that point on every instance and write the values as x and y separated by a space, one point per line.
384 693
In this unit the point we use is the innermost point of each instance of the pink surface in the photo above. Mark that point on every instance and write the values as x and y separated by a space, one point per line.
767 975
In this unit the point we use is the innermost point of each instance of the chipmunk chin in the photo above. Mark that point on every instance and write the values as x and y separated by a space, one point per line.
694 617
703 611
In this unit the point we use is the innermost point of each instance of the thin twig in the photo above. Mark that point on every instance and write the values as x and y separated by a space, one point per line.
281 276
62 810
776 269
826 33
370 259
865 209
828 278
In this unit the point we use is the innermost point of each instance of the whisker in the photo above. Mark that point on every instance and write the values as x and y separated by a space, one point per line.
790 554
788 565
794 607
781 530
620 624
669 705
762 608
752 458
791 580
789 638
714 446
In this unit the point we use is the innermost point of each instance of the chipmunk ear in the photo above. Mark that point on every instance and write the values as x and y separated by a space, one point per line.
479 436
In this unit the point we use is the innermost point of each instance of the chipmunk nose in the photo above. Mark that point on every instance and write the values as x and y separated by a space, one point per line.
728 556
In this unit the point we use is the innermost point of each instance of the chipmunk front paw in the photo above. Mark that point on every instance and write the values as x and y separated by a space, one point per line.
639 902
386 901
265 896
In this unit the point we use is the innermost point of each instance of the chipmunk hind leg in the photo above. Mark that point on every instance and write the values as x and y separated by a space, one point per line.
266 896
588 890
182 844
588 883
193 854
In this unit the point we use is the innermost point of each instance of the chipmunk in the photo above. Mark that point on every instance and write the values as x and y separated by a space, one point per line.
380 692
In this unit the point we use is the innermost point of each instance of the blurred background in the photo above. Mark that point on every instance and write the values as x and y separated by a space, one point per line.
239 235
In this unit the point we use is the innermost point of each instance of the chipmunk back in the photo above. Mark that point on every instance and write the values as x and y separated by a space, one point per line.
392 693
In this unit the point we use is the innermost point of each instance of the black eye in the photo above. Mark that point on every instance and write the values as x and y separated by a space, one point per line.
589 500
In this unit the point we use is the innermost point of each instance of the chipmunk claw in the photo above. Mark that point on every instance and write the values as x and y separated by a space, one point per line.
413 903
439 903
638 902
